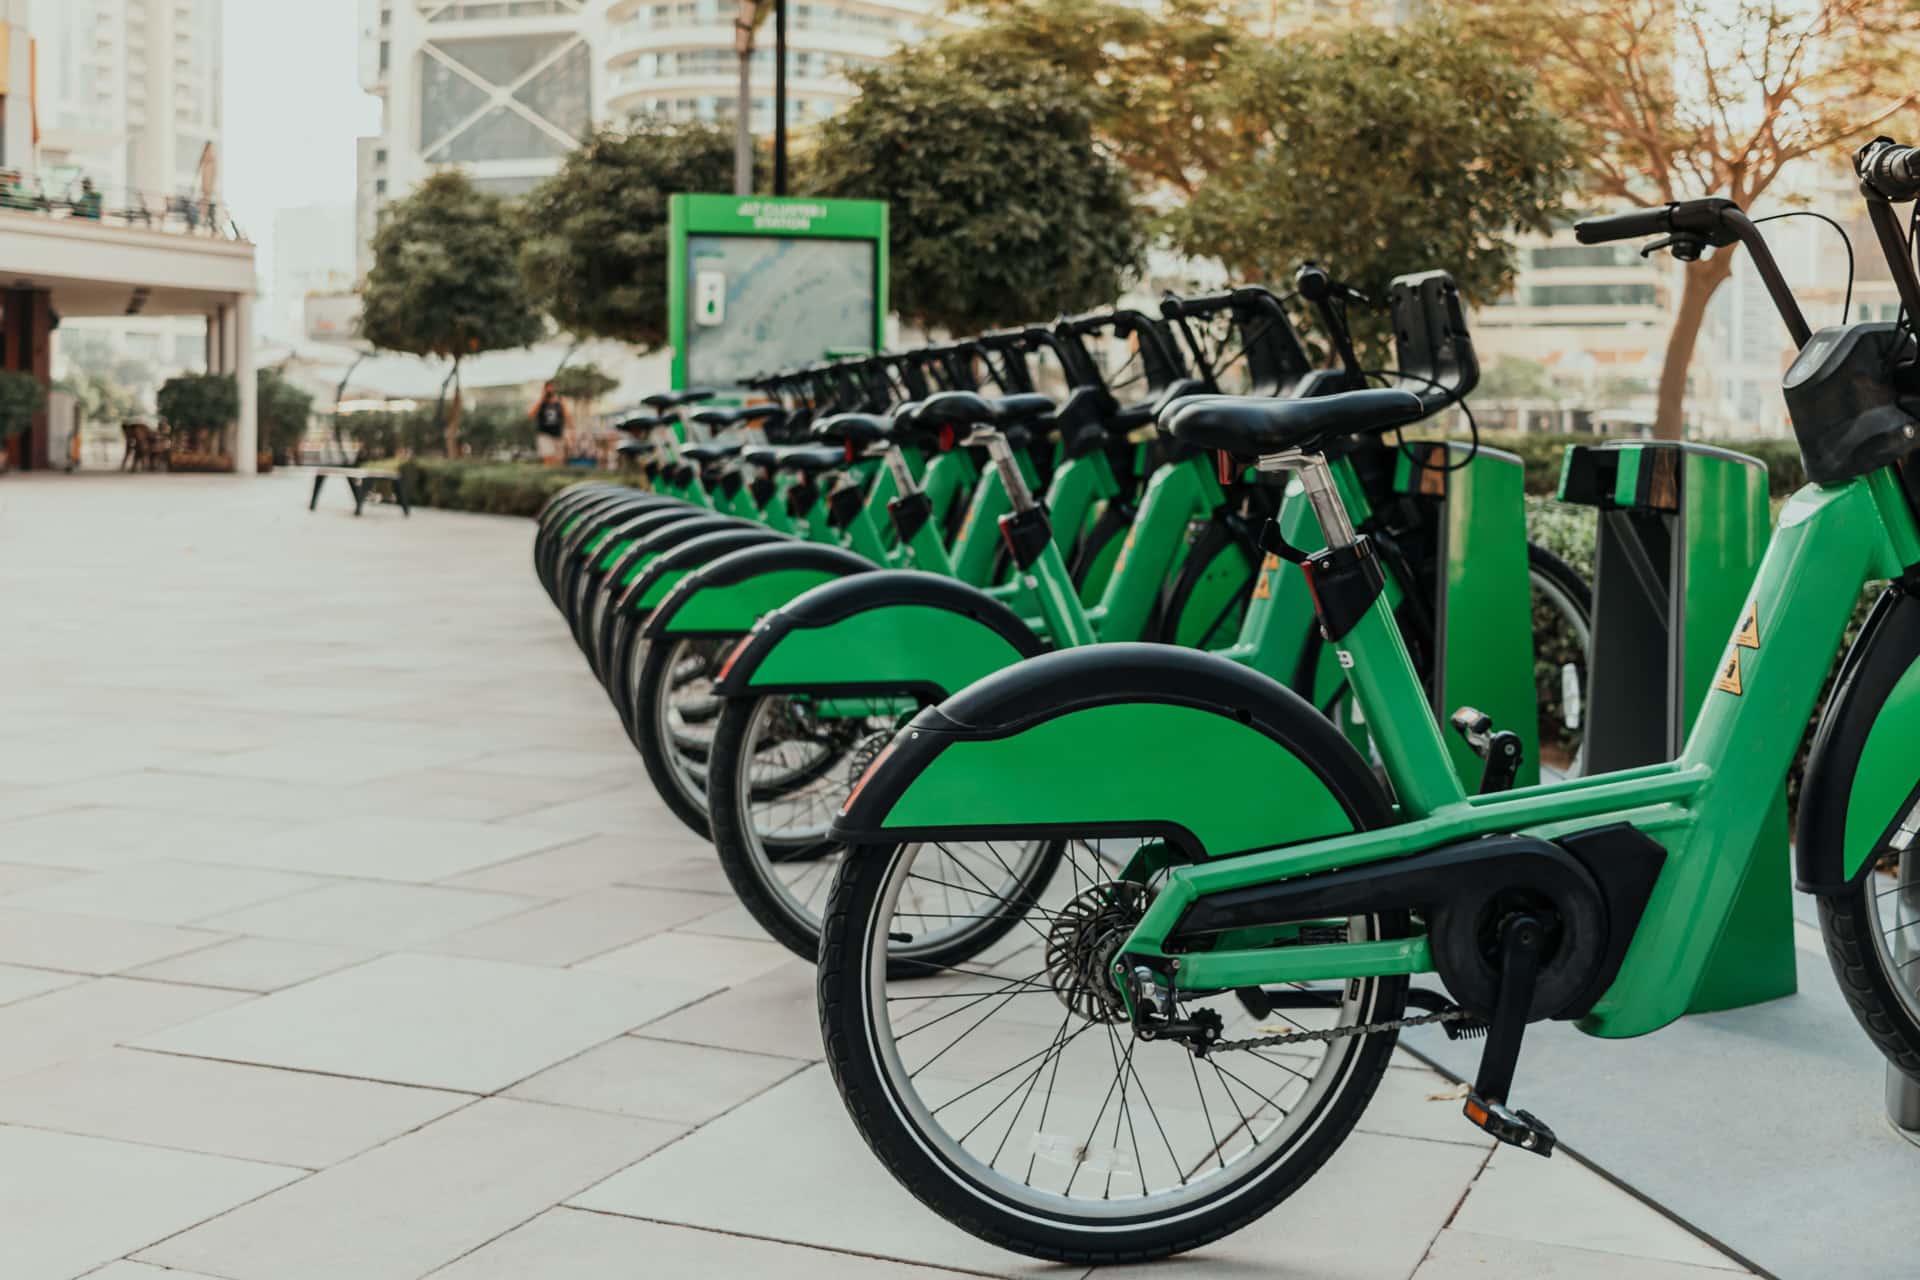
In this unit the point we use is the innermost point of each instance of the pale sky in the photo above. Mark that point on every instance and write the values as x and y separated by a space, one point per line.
293 109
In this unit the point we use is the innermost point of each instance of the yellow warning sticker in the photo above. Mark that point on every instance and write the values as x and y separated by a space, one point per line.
1748 636
1729 678
1263 589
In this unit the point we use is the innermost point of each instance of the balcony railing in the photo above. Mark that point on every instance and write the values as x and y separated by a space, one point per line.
54 196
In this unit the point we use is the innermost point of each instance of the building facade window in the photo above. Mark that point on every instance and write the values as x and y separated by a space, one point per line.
1592 295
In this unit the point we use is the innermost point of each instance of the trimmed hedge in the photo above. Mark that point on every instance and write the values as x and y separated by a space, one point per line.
494 488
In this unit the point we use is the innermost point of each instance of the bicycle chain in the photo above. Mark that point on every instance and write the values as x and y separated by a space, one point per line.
1341 1033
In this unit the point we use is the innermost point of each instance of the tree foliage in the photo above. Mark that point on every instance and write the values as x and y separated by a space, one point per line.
595 253
1673 99
1376 153
21 396
284 411
201 404
584 382
1003 206
446 280
1147 72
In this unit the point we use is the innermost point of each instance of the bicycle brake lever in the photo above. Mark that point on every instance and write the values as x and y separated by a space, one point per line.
1685 246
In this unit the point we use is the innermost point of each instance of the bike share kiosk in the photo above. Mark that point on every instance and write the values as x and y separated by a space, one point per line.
1681 529
759 282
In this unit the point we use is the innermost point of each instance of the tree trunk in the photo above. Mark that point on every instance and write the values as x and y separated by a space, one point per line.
1699 281
453 413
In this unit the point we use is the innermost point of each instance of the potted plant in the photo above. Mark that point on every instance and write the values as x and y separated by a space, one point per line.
21 396
200 407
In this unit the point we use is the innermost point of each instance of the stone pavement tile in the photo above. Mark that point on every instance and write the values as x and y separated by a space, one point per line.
631 808
569 869
773 1014
163 891
384 848
1462 1255
789 1165
69 1204
440 1021
367 914
568 1244
730 921
559 762
54 759
462 795
93 1015
1561 1202
690 957
1417 1102
17 984
124 1270
403 1209
18 877
697 872
657 1079
220 1108
252 964
333 763
203 794
90 944
103 837
1368 1214
577 928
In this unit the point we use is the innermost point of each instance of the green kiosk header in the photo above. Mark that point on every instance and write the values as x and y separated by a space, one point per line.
759 283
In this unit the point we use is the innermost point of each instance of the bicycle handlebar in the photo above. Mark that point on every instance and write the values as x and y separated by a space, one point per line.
1705 220
1888 169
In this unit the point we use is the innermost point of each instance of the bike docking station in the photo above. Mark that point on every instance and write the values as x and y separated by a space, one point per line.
1680 532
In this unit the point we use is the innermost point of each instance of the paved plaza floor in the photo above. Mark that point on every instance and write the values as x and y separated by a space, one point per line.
342 938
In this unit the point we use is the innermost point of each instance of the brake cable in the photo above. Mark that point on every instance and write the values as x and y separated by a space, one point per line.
1454 400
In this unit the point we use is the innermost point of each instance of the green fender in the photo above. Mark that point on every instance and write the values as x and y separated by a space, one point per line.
888 631
1863 774
728 595
1133 739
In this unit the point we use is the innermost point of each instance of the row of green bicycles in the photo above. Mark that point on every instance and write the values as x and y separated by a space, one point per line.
1127 716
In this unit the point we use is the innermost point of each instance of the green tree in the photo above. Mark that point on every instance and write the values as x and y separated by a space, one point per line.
595 253
1003 206
285 412
201 404
1518 378
584 382
21 396
446 280
1147 72
1377 153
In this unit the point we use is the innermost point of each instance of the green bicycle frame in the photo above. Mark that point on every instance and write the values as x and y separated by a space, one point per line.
1830 542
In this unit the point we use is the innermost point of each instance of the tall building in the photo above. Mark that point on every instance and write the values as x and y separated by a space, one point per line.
129 92
313 256
503 88
129 99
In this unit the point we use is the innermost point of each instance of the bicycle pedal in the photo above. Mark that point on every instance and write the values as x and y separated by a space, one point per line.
1520 1129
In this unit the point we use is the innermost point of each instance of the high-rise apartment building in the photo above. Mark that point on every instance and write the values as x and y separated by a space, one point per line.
503 88
129 92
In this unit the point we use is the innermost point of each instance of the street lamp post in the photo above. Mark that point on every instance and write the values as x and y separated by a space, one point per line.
743 101
779 97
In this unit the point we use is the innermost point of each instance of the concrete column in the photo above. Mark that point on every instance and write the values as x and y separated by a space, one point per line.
246 444
213 342
230 337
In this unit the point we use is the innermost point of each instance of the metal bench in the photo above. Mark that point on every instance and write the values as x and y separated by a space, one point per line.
360 482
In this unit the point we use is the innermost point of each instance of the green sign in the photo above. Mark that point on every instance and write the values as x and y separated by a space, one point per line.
760 283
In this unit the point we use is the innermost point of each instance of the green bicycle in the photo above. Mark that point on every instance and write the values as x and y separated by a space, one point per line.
1179 1031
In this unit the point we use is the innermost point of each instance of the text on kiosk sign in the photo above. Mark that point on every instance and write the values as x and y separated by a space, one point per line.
781 217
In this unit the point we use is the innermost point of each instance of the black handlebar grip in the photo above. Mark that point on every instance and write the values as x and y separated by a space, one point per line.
1891 170
1635 225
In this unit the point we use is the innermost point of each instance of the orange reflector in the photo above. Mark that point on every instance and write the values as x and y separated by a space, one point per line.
1475 1112
873 768
733 656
